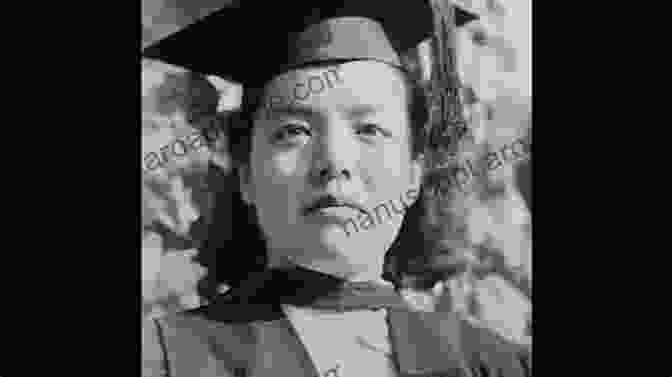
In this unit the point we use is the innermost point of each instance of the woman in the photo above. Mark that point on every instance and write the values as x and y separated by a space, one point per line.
333 132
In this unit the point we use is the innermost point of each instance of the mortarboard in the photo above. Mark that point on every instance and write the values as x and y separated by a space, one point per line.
251 41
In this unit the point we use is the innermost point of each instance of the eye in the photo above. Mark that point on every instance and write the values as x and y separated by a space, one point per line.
371 129
290 132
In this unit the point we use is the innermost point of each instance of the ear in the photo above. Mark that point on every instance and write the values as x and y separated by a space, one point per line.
245 182
417 171
416 175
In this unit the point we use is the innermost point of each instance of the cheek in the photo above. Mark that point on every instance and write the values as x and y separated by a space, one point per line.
386 173
279 179
275 198
279 168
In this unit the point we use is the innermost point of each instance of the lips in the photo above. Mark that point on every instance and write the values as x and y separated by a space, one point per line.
331 202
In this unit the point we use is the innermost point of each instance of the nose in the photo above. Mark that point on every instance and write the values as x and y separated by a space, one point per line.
335 154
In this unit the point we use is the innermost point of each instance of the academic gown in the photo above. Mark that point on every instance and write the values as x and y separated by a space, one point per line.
258 340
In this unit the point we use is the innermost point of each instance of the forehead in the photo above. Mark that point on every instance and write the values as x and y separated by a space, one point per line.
340 85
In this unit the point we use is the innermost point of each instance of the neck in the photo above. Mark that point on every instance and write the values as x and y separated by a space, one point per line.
329 267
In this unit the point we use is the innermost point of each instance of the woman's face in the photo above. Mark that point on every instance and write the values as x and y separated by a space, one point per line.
339 131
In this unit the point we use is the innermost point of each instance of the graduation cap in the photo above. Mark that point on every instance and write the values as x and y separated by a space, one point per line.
251 41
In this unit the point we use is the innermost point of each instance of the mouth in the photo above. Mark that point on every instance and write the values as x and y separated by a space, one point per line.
330 205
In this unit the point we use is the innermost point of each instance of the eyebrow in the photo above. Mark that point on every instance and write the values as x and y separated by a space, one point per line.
355 112
361 111
291 110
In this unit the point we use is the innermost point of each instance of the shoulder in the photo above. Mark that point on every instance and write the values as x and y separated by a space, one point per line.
485 349
440 341
213 338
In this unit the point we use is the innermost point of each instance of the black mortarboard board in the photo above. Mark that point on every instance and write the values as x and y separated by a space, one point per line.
251 41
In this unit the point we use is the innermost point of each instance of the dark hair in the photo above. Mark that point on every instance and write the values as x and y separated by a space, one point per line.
236 239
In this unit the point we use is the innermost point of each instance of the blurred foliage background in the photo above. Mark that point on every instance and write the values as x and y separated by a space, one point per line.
495 65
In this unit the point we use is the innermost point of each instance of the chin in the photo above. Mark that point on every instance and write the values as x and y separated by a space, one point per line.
331 251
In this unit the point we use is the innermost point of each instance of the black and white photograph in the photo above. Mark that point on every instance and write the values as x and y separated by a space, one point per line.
336 188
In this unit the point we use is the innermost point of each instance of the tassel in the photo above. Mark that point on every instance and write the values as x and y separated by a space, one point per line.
447 124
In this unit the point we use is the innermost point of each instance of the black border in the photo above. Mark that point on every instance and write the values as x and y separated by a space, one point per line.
80 313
